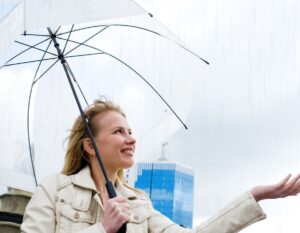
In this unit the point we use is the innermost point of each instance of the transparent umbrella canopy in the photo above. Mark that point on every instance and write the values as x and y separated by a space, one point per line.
123 59
17 16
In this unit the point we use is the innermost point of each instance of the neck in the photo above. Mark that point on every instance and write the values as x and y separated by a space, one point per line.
98 177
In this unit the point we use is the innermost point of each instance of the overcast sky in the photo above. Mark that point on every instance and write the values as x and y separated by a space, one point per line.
244 123
242 110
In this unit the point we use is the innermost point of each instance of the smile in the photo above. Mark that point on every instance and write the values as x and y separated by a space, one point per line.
127 151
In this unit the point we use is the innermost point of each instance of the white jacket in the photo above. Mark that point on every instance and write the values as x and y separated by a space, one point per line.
65 204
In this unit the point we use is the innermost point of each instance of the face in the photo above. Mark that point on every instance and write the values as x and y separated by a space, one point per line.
115 142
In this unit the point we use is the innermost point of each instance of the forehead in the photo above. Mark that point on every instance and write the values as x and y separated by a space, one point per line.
111 119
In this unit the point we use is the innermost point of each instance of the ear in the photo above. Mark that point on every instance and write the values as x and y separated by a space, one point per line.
88 147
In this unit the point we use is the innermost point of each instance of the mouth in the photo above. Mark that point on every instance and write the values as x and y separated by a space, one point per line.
128 151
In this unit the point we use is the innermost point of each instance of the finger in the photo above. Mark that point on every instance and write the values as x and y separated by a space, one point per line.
294 180
122 215
289 188
119 199
111 205
116 201
120 208
296 188
114 206
124 205
281 183
125 211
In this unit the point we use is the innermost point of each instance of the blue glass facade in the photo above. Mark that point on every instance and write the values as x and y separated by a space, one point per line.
170 187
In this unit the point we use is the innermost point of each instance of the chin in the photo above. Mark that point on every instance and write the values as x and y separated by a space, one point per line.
128 164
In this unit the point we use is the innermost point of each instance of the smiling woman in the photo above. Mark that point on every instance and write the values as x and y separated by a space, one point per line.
77 200
114 141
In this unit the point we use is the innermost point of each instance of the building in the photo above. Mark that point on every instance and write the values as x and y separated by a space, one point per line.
170 187
12 207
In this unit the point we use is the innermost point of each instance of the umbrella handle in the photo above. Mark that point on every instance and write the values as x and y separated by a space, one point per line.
112 193
123 228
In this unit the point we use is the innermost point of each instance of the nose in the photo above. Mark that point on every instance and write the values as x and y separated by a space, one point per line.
130 139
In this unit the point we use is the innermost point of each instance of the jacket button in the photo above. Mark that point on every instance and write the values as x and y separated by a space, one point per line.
136 217
76 215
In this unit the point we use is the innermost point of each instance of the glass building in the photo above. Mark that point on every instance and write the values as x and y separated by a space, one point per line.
170 187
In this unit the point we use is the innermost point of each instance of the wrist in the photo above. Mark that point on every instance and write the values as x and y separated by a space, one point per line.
256 194
107 228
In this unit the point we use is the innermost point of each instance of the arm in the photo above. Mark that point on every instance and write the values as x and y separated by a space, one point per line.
245 211
239 214
39 215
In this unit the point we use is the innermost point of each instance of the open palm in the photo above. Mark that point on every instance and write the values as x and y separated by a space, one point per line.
286 187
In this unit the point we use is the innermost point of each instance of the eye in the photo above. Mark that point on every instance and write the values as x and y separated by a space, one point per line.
117 131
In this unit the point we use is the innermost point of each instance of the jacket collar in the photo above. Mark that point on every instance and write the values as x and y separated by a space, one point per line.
84 179
124 191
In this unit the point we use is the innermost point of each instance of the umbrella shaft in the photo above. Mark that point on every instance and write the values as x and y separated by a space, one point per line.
109 186
110 189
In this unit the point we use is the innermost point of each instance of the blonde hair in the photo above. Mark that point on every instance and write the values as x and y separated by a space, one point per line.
76 157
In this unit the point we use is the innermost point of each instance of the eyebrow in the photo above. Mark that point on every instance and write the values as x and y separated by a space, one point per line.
120 127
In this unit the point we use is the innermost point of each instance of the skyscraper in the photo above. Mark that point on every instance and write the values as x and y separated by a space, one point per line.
170 187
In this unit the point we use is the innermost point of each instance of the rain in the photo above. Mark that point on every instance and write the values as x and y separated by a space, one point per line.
241 110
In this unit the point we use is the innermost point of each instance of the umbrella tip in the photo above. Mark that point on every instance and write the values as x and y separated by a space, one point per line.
206 62
185 127
150 14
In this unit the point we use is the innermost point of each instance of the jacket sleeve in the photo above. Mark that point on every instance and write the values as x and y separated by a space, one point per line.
39 215
96 228
239 214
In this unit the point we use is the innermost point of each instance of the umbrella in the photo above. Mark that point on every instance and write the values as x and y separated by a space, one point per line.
18 16
41 11
35 14
64 53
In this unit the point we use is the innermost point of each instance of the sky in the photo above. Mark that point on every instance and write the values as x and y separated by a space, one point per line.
241 110
244 123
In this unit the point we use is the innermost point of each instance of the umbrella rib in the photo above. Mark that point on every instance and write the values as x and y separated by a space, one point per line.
83 43
74 79
151 86
43 59
147 30
85 54
57 30
54 58
138 74
32 61
89 27
23 52
31 34
34 47
28 107
28 113
68 39
46 71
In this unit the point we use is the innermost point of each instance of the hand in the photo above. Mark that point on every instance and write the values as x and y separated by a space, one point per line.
286 187
116 213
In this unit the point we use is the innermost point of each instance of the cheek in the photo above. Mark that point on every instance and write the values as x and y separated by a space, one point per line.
110 142
110 146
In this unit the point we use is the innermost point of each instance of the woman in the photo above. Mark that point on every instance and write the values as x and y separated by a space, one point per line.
77 200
